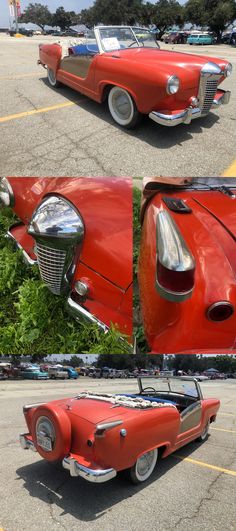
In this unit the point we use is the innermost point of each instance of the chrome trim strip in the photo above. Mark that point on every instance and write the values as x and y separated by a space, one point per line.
172 296
31 406
95 476
30 261
25 443
80 313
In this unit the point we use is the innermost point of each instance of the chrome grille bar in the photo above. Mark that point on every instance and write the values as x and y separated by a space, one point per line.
210 91
51 264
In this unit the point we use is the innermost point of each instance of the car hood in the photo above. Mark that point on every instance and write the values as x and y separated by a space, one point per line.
170 61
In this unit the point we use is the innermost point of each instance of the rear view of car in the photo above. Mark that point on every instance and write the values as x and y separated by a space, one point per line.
58 373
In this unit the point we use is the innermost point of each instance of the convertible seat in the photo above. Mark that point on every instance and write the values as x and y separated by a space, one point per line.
83 49
152 399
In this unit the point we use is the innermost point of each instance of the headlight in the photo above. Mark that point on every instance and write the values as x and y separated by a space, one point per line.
58 230
228 69
56 219
172 85
6 193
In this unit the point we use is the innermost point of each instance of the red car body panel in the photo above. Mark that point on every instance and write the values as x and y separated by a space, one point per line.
146 430
105 204
143 72
210 234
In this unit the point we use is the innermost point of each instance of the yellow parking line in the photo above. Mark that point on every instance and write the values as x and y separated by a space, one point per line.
35 111
222 429
231 171
225 415
206 465
18 76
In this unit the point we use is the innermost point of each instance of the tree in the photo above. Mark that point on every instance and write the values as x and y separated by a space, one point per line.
167 13
63 19
76 361
37 14
215 14
112 12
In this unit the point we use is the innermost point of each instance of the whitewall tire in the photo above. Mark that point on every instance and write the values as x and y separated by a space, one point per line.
123 108
143 467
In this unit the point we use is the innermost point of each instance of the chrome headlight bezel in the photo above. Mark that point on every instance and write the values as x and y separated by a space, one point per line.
6 193
173 84
228 70
56 219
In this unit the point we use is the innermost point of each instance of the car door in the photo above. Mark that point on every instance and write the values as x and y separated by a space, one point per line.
191 416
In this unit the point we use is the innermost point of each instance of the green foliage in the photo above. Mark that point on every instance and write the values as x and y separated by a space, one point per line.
136 225
36 14
63 19
166 14
214 14
33 320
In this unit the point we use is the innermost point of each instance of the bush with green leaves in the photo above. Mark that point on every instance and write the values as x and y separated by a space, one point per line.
33 320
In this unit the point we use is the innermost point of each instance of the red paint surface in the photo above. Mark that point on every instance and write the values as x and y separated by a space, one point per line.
143 72
210 233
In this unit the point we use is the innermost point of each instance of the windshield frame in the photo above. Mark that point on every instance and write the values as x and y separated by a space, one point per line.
167 380
101 48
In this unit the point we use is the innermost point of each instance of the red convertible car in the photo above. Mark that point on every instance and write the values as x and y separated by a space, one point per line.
97 435
79 233
187 265
136 77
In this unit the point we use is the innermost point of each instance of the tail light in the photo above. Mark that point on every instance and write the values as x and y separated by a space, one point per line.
220 311
175 265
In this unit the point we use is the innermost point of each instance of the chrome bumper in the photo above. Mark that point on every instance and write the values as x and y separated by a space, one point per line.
27 259
81 314
189 114
94 476
25 443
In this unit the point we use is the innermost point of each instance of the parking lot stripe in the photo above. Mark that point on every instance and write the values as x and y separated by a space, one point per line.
231 171
225 415
18 76
206 465
222 429
35 111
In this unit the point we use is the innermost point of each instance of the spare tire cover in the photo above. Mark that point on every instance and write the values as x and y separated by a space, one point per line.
56 425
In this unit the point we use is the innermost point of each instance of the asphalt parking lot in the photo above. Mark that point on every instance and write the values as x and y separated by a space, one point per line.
193 489
60 132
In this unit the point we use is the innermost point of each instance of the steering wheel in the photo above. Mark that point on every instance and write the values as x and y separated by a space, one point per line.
132 43
150 388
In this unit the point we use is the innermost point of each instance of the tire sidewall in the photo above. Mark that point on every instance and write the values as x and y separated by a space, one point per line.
52 77
135 477
62 428
134 116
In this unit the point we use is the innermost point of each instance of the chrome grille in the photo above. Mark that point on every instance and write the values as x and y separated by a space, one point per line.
51 264
210 91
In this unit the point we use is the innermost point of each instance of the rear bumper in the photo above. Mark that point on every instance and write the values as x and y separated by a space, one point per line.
93 475
26 443
185 116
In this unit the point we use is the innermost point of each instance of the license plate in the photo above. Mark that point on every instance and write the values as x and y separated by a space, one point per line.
45 443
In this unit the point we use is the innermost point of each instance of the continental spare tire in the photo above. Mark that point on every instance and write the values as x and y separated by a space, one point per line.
51 432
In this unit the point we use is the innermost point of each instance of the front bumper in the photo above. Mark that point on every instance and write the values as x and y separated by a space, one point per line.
190 113
90 474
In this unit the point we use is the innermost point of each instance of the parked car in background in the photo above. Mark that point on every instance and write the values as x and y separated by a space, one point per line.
79 233
187 265
33 373
97 435
201 39
3 375
176 37
72 373
58 372
116 66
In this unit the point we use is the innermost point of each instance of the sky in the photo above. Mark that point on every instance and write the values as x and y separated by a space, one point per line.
69 5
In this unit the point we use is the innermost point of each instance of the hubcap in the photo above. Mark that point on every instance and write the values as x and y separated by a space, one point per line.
145 463
45 428
122 105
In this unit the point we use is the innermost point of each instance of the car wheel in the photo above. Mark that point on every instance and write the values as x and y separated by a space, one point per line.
52 78
123 108
204 433
143 467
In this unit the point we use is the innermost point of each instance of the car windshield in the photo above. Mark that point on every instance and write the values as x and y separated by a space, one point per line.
114 38
183 386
